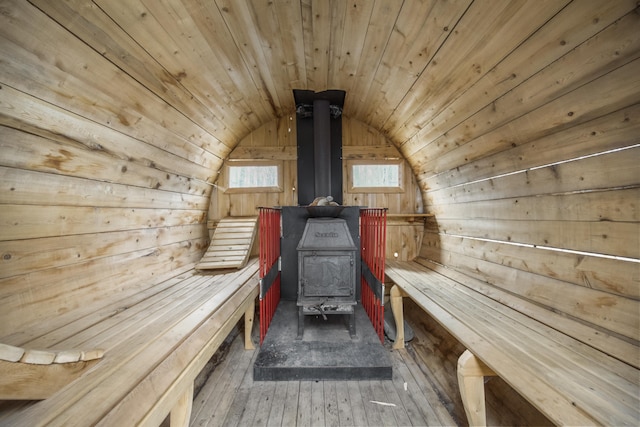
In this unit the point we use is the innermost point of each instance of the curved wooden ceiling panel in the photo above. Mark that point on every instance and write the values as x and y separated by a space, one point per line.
413 69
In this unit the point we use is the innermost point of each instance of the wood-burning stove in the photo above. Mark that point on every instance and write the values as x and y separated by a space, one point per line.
326 271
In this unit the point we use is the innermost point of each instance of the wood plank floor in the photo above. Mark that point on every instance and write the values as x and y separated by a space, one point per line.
230 397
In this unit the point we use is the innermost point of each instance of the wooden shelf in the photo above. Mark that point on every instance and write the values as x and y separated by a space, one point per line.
414 215
410 217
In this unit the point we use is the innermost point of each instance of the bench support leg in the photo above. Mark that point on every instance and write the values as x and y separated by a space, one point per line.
249 314
181 413
471 373
398 315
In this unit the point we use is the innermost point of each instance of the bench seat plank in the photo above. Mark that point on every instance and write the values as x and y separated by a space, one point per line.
570 382
190 358
154 350
545 356
124 316
508 330
155 311
49 334
220 263
608 343
489 315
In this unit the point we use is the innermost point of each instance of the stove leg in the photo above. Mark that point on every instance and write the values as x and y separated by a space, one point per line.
300 323
352 324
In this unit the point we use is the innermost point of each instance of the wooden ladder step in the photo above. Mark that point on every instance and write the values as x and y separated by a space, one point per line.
231 244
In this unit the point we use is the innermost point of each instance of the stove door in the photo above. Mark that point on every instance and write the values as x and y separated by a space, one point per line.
328 274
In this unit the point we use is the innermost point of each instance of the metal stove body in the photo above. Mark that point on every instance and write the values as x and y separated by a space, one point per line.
326 271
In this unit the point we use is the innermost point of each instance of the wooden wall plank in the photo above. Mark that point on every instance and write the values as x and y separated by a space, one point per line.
24 187
621 313
150 22
78 70
289 16
270 153
258 55
92 25
105 164
481 39
573 25
83 287
275 140
34 114
616 130
101 255
316 20
612 170
378 32
337 17
32 221
403 240
519 169
370 152
599 97
612 238
232 80
621 205
346 53
428 25
597 57
359 135
620 277
278 52
25 256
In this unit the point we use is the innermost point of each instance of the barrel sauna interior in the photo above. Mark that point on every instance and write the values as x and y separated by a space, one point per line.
515 126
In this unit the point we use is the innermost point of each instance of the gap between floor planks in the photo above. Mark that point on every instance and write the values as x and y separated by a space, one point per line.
230 397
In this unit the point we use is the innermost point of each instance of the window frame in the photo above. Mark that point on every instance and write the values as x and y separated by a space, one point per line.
279 188
350 163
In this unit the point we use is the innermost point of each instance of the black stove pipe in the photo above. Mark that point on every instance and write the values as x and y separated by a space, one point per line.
322 147
319 136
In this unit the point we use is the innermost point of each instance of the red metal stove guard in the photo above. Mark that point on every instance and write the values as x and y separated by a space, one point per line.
269 222
373 236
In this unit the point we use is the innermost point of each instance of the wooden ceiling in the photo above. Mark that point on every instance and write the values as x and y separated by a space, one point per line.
236 62
416 70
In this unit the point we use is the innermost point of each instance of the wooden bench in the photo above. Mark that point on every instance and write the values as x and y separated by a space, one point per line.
571 372
155 343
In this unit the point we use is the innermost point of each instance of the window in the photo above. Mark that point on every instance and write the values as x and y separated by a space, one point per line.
253 176
375 176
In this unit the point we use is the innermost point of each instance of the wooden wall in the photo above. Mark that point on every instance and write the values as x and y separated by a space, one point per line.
116 117
277 140
404 234
533 171
105 181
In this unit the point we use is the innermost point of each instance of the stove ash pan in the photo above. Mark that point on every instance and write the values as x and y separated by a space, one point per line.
326 270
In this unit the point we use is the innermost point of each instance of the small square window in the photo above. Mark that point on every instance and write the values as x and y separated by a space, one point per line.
375 176
253 176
